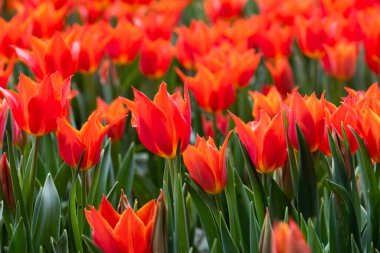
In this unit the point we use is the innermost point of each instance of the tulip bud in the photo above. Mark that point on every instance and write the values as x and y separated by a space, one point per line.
6 182
288 239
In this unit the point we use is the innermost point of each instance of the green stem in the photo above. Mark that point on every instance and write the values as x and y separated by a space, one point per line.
336 91
84 197
33 172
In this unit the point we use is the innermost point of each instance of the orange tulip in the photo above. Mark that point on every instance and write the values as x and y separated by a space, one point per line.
370 124
129 231
92 41
340 60
213 91
270 102
72 143
15 32
49 56
287 238
114 110
37 105
223 9
156 57
207 165
125 42
195 40
282 75
309 114
264 141
275 41
162 123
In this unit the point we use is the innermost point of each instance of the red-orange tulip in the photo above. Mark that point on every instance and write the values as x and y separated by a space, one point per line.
287 238
125 42
276 41
115 109
72 143
309 114
6 182
264 141
370 125
47 57
6 69
162 123
207 165
3 118
282 75
213 91
371 39
37 105
270 102
340 60
223 9
156 57
128 232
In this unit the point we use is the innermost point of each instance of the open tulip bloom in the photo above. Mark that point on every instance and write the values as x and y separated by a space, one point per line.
255 122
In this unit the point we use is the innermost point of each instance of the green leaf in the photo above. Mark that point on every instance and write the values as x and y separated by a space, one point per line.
278 203
227 242
46 216
254 231
62 244
265 244
312 238
18 238
307 183
126 172
206 216
180 219
62 179
91 246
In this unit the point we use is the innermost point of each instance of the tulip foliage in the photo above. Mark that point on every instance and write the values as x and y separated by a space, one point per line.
190 126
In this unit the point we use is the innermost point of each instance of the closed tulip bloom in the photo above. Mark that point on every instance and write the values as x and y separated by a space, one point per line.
214 92
340 60
207 164
162 123
282 75
156 57
287 238
280 47
72 143
115 109
6 182
129 231
309 114
37 106
223 9
370 124
264 141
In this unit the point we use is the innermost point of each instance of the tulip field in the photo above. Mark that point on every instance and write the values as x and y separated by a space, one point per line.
197 126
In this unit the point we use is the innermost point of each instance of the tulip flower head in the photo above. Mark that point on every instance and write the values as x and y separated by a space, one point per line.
162 123
207 165
6 182
72 143
270 103
264 140
37 106
129 231
287 238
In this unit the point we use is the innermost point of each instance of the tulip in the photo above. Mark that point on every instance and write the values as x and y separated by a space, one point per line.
275 41
6 182
287 238
72 143
308 113
37 105
162 123
340 60
129 231
223 9
114 110
3 118
371 40
214 92
6 70
270 102
264 141
125 42
49 56
370 124
156 57
282 75
207 164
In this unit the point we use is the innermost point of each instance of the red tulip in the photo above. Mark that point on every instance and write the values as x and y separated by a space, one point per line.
72 143
129 231
264 140
207 165
282 75
38 105
223 9
6 182
162 123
